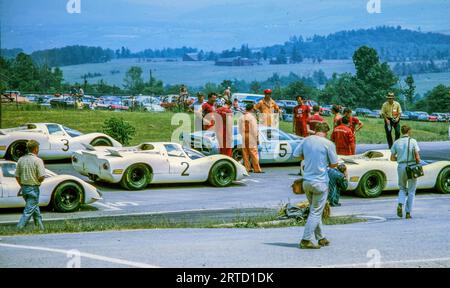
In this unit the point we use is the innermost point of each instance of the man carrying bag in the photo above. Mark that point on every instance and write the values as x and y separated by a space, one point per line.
406 152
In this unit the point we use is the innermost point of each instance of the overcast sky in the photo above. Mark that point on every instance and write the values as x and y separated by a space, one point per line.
206 24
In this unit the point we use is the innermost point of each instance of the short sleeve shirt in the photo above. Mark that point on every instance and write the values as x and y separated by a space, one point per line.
319 153
391 111
400 149
29 169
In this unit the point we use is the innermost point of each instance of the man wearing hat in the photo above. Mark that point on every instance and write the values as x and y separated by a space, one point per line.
267 107
391 112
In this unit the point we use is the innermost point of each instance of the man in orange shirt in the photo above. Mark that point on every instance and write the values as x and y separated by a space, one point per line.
343 138
301 115
267 107
225 138
248 129
313 120
208 110
354 124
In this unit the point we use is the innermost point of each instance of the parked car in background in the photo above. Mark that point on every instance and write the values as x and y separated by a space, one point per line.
422 116
374 114
287 109
441 117
362 112
433 118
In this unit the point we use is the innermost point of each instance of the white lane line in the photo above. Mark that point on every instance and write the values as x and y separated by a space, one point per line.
367 264
82 254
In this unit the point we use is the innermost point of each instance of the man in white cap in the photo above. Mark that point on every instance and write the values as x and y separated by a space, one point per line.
391 112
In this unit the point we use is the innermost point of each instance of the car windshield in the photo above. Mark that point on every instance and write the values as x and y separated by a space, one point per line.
193 154
9 170
174 150
72 132
55 130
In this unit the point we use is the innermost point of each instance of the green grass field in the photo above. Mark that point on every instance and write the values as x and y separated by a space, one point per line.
157 126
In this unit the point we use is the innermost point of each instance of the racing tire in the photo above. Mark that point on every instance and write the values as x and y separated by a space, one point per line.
17 150
222 174
67 197
101 141
443 181
136 177
371 185
237 155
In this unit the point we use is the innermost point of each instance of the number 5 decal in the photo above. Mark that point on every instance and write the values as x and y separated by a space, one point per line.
184 173
66 145
283 151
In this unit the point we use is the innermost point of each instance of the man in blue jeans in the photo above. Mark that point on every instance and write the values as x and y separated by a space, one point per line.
30 173
405 157
318 154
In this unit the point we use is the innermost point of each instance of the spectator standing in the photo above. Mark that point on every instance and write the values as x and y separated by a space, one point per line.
343 138
338 183
248 129
226 135
301 115
336 111
30 173
406 152
267 107
313 120
318 154
353 123
391 112
208 110
227 94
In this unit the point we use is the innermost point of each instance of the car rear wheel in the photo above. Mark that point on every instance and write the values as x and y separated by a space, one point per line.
101 141
136 177
443 181
17 150
222 174
237 155
67 197
371 185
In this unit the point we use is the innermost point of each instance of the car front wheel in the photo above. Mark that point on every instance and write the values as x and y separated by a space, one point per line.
136 177
67 197
371 185
222 174
443 181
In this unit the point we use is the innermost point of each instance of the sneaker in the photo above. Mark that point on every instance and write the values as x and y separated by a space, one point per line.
408 216
305 244
399 211
324 242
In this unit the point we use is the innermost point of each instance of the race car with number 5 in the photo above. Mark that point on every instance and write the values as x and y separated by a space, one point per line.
275 145
155 163
55 141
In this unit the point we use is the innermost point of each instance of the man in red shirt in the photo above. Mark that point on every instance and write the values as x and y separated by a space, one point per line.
208 110
301 115
343 138
354 124
313 120
225 135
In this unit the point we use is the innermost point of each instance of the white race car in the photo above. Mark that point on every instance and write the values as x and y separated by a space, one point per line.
372 172
56 141
136 167
64 193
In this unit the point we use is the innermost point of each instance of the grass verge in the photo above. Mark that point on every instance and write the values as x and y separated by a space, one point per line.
248 218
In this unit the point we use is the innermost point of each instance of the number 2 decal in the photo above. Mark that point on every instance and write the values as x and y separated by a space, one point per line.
66 145
184 173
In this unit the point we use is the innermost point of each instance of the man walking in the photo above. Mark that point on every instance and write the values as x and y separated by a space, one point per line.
248 129
343 137
391 112
301 115
406 152
30 173
318 154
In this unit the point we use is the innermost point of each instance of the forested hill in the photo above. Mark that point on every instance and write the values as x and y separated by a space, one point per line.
392 44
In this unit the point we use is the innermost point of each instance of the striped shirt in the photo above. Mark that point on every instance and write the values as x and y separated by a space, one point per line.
29 169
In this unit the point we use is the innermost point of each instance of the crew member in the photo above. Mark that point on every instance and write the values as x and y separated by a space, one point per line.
343 138
314 119
267 107
301 115
225 136
208 111
336 111
353 124
248 129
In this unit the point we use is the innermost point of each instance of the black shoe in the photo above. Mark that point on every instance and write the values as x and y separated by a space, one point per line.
305 244
399 211
408 216
324 242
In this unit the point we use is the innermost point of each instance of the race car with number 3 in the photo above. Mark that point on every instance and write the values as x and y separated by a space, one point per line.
63 193
372 172
55 141
275 145
155 163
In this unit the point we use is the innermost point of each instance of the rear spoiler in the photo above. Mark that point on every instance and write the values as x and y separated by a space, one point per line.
114 153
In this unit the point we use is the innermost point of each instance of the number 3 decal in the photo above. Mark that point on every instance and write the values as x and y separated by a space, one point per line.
66 145
184 173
